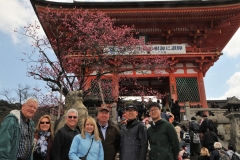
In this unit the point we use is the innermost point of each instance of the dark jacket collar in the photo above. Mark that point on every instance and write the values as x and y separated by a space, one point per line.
159 122
68 128
133 123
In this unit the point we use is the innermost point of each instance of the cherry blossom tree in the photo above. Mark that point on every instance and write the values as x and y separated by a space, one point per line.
87 45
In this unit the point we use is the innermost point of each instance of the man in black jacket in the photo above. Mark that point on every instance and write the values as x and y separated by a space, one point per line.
162 136
204 126
176 112
64 136
209 138
109 134
133 135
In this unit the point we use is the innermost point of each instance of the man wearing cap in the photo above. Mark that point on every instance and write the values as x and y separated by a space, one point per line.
134 143
109 134
162 136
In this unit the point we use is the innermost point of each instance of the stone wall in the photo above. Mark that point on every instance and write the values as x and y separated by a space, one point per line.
228 123
224 131
234 128
219 119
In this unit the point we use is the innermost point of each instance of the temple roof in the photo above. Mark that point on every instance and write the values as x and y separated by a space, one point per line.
136 4
204 26
200 24
232 102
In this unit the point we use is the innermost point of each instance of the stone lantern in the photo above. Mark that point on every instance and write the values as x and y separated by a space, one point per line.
233 114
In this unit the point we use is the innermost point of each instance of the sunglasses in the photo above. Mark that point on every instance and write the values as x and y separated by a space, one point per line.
44 122
72 117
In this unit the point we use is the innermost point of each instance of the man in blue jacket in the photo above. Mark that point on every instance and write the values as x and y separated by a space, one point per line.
17 132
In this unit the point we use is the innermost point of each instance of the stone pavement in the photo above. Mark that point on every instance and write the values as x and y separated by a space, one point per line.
224 144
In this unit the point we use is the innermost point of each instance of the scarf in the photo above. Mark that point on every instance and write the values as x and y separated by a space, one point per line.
42 144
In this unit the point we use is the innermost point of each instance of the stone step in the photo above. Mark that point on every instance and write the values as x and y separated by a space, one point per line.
118 158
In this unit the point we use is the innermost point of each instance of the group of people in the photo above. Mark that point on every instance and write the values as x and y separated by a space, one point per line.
100 139
208 147
218 153
97 139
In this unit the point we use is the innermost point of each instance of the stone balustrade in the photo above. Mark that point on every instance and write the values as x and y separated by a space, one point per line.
218 117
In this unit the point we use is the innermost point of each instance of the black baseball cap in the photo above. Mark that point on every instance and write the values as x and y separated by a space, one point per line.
153 104
131 106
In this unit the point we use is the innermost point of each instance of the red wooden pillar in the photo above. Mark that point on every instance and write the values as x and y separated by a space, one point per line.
115 87
87 84
202 90
172 83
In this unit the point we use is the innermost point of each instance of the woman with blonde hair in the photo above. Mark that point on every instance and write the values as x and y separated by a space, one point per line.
43 138
204 154
87 145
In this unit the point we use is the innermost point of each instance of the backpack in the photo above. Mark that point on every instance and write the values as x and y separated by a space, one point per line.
223 155
210 123
196 138
195 126
235 157
186 137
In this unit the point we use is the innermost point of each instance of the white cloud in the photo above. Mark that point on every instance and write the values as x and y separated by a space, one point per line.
15 14
232 49
234 86
237 65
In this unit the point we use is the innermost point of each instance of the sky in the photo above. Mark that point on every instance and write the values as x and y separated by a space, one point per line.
221 81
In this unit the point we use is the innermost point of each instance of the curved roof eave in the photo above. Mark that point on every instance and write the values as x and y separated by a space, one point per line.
134 4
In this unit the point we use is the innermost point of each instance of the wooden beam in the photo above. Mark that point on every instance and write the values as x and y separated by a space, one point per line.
222 25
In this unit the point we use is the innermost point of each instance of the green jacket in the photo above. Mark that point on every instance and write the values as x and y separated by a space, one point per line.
163 141
10 135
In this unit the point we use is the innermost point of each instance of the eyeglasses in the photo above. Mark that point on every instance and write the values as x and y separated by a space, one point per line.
153 110
72 117
44 122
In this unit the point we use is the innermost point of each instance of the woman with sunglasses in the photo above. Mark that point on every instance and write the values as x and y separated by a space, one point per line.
43 139
87 145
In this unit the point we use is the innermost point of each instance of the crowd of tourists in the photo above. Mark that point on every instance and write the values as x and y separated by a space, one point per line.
157 132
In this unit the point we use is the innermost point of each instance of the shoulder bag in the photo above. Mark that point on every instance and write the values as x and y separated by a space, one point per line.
85 157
